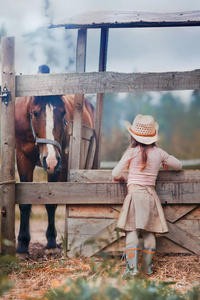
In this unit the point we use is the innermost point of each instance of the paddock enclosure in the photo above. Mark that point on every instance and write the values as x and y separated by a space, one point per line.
92 200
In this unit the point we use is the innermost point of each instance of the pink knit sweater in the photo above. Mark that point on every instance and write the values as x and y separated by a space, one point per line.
131 161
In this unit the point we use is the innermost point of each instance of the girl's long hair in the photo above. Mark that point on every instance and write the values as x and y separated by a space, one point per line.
144 151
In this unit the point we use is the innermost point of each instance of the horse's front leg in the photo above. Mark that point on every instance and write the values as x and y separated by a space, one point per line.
25 169
51 209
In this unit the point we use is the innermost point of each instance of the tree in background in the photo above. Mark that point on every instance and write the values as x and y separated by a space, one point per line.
179 124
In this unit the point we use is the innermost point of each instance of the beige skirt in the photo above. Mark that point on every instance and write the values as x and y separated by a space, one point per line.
142 210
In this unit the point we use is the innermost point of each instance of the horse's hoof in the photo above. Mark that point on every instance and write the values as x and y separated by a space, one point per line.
22 252
56 251
51 243
52 248
21 249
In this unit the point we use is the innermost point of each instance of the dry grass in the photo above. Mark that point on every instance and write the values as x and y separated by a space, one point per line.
40 273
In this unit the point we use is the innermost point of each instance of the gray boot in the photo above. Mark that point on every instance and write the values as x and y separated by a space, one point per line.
147 263
131 256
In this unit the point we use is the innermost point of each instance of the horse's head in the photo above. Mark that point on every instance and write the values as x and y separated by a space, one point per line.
47 120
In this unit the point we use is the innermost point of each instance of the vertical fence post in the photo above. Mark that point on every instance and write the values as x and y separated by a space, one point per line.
75 156
8 145
100 97
76 138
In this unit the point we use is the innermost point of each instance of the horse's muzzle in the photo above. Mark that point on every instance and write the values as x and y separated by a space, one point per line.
48 168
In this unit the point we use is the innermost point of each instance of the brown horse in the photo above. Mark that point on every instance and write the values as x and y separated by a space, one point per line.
42 136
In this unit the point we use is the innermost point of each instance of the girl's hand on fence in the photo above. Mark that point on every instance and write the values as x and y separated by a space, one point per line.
121 179
165 167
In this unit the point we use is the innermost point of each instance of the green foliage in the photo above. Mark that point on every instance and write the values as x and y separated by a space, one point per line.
5 284
107 289
5 262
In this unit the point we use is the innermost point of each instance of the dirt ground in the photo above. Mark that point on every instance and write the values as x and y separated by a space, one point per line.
43 271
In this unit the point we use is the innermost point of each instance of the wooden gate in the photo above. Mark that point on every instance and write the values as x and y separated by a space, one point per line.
92 227
92 201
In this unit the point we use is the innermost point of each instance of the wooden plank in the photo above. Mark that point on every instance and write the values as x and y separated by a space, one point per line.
76 137
8 145
83 154
183 238
193 215
165 245
91 211
175 212
125 19
87 132
169 176
178 192
191 226
101 193
66 231
98 242
90 175
78 103
91 153
105 82
100 97
88 226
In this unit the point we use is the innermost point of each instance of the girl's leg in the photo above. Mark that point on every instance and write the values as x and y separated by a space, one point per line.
131 253
132 238
148 251
149 239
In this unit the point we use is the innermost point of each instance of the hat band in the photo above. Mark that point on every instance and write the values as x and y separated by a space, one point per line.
139 134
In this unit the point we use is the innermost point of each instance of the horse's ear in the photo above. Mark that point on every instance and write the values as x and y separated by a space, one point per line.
43 69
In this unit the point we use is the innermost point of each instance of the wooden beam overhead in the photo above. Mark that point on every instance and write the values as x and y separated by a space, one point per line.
128 19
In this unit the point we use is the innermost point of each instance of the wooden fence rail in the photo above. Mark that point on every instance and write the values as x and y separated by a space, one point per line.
105 82
180 188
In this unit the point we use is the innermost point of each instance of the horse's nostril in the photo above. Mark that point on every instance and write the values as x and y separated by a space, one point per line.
58 166
45 166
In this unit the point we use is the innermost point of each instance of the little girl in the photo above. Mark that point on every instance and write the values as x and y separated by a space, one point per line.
142 212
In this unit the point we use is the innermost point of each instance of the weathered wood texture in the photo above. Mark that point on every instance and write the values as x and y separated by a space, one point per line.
118 19
76 138
100 97
90 226
183 219
98 241
88 145
101 193
175 192
76 145
7 144
163 176
105 82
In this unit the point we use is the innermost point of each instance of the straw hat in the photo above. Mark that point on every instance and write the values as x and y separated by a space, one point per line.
144 129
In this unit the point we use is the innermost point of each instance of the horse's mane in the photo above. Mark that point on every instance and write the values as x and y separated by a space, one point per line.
53 100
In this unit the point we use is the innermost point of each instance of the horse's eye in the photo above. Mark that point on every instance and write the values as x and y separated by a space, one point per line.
36 114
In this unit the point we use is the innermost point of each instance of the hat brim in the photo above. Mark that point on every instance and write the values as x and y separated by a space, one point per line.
147 140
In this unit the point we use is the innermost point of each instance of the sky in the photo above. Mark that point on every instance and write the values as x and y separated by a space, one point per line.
129 50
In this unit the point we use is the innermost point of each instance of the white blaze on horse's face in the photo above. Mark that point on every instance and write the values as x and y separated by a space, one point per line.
51 153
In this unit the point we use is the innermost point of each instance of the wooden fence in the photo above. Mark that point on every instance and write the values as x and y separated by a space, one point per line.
93 201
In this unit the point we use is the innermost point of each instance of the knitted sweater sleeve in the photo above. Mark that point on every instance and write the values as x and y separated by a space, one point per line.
122 166
171 161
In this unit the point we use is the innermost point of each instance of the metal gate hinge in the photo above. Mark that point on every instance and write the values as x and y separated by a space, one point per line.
6 96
